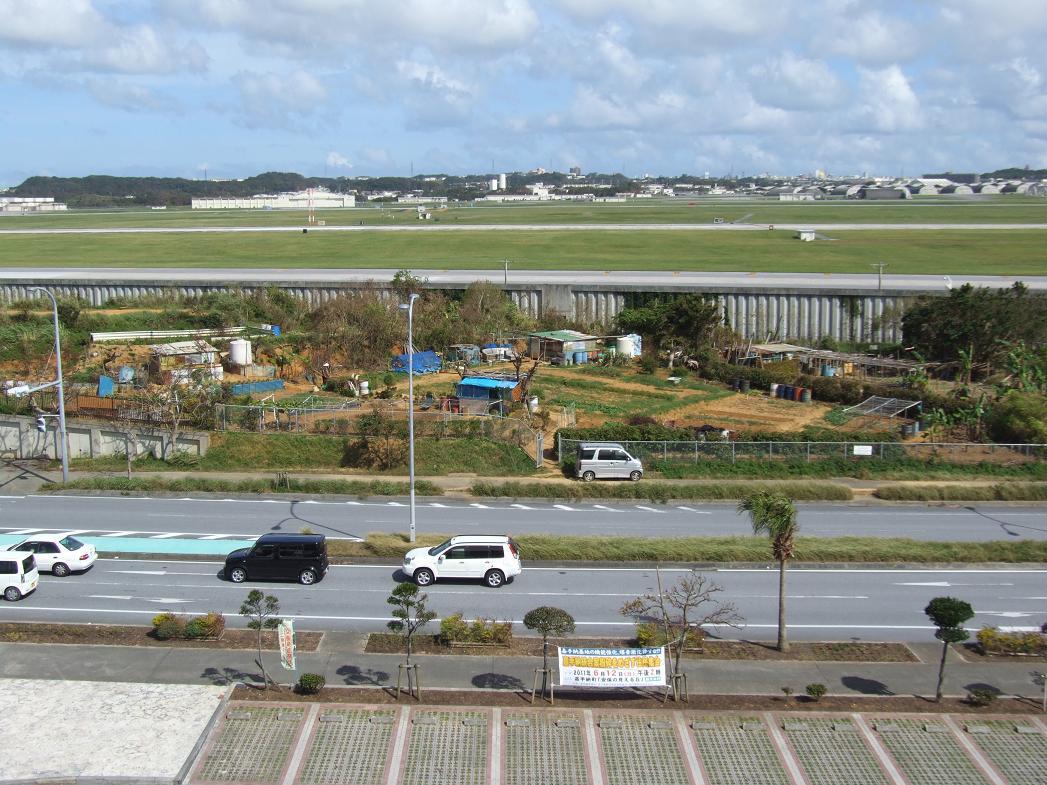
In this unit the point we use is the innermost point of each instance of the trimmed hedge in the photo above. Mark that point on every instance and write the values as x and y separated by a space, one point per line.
662 492
210 485
1008 491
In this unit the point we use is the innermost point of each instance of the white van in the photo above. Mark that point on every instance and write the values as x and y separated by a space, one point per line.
494 558
18 575
606 461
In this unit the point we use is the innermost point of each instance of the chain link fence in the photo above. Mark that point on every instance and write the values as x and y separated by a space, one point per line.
692 452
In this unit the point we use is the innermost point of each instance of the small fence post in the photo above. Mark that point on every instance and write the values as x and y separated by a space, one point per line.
733 453
665 452
808 452
770 450
696 453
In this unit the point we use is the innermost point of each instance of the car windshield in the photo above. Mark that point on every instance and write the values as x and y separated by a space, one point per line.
440 548
70 543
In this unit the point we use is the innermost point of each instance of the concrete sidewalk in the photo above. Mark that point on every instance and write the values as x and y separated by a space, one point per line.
342 661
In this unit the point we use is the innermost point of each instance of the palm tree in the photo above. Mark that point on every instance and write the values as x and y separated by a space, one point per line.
774 514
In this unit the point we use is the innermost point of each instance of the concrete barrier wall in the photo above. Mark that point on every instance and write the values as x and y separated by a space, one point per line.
754 312
20 439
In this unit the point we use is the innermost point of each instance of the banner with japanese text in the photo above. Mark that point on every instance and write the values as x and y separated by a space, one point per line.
285 634
580 667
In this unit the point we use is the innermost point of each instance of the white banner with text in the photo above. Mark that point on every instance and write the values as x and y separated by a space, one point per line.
581 667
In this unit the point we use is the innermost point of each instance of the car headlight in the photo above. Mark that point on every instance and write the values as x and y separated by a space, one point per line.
408 559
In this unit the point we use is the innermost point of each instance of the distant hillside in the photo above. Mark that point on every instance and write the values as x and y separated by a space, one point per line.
106 191
1013 173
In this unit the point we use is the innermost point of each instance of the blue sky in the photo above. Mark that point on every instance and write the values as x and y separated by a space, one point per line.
366 87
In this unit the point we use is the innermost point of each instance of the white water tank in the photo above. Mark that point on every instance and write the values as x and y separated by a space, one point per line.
365 387
240 352
624 345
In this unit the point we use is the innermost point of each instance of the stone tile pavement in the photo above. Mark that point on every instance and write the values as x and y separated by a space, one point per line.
85 729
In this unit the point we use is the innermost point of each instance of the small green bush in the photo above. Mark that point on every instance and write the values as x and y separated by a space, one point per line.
195 628
170 627
980 696
650 634
213 624
815 691
455 629
310 683
992 641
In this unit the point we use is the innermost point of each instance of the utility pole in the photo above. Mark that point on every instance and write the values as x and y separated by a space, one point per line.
506 263
880 267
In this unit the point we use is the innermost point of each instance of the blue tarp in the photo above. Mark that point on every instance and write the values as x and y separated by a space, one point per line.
424 362
105 386
490 384
247 388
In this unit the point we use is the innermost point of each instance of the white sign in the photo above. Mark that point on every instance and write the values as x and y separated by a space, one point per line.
581 667
285 634
863 449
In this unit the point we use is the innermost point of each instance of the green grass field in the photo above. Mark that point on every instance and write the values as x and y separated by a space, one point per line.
1001 252
993 209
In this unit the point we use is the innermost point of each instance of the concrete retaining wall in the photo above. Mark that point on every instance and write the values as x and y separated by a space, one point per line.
755 312
20 439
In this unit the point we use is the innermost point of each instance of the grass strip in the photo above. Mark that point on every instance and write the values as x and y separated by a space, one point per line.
887 469
206 484
550 547
1008 491
660 491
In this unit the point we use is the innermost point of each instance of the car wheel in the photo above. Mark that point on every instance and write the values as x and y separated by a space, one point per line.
588 476
423 577
307 578
494 578
59 570
11 594
238 575
635 476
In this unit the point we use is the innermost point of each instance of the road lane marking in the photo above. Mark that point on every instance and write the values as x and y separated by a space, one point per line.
647 509
120 534
215 536
436 504
947 584
521 506
165 536
479 506
394 504
167 515
691 509
26 531
564 507
606 509
812 570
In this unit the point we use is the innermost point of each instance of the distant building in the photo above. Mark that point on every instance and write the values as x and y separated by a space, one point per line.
30 204
565 347
319 199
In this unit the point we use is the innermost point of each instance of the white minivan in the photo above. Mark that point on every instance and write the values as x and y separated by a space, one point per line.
18 575
606 461
494 558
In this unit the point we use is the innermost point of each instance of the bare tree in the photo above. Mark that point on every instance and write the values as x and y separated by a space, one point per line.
682 610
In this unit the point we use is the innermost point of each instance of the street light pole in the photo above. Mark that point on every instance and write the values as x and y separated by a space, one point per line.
409 307
63 441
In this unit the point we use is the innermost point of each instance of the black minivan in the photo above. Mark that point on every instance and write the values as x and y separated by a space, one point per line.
280 557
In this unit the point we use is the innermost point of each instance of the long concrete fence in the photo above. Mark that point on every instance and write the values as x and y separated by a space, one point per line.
19 438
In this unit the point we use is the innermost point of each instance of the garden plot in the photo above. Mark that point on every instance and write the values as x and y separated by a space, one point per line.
737 750
447 747
544 748
252 744
1016 748
926 751
348 747
831 751
638 750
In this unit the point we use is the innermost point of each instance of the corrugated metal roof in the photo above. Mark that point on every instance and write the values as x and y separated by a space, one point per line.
183 347
490 384
564 335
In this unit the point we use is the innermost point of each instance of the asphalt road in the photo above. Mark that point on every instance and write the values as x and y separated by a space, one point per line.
521 278
217 519
823 604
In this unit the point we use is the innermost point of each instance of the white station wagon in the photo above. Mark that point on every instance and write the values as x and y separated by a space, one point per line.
59 554
493 558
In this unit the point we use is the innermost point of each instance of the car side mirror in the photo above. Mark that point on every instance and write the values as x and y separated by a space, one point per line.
439 559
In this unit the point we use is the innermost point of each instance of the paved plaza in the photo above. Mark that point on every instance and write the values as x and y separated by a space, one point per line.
332 744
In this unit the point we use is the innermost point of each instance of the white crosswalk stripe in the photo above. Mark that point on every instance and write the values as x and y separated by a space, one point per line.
25 531
165 536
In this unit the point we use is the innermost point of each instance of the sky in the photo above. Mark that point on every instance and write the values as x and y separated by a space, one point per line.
232 88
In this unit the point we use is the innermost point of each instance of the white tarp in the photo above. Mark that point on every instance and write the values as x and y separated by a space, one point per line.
581 667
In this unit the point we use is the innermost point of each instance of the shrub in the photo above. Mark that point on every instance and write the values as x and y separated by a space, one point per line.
648 363
815 691
213 623
310 683
993 641
980 696
196 627
169 626
455 629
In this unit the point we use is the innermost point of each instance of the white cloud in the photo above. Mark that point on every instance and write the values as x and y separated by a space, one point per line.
40 23
276 100
338 161
887 101
874 39
142 51
792 82
130 97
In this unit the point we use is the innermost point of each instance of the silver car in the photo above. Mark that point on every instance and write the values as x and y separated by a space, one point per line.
606 461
